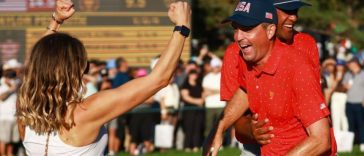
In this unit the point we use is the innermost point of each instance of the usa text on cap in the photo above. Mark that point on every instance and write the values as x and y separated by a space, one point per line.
253 12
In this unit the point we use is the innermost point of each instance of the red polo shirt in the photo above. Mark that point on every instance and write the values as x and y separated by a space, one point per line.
230 68
233 71
286 92
307 49
230 72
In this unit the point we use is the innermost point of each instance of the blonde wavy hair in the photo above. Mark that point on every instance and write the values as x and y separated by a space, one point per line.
52 83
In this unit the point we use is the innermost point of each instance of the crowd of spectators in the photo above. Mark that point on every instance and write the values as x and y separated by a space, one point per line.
343 77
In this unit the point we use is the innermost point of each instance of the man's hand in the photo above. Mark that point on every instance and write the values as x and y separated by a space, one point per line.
249 130
64 10
213 142
260 133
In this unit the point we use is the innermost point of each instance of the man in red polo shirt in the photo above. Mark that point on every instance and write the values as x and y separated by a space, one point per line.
288 95
287 17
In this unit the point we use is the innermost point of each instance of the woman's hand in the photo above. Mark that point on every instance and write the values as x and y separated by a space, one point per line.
180 13
64 10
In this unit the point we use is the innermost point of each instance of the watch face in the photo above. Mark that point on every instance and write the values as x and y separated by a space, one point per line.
185 31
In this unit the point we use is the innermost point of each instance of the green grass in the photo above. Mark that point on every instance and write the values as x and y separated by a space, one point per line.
172 152
226 152
356 152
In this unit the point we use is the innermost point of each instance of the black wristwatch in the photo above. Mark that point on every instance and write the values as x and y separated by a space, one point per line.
183 30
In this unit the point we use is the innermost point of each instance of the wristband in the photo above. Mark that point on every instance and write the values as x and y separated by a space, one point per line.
184 31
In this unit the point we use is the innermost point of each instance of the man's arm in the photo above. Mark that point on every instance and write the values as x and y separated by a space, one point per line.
233 110
317 142
233 87
312 111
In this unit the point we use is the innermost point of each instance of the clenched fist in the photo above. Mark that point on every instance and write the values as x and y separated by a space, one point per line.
64 10
180 13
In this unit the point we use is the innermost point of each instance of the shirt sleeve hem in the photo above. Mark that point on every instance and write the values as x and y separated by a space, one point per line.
310 122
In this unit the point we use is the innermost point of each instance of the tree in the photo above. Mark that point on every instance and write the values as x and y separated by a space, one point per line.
341 18
332 17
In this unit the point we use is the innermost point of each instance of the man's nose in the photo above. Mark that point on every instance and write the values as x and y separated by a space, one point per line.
239 35
293 17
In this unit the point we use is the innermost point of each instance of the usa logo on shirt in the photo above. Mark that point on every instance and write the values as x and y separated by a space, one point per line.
322 106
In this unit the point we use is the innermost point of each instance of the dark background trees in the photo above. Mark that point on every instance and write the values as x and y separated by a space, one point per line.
334 19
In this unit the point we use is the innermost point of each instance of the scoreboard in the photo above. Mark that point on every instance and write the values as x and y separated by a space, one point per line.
137 30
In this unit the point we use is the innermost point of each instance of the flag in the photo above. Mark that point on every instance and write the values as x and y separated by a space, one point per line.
268 15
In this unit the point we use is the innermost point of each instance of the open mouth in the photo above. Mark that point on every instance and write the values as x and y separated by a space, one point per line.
245 49
289 26
244 46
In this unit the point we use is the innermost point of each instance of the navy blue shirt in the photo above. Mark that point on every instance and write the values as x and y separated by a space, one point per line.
120 79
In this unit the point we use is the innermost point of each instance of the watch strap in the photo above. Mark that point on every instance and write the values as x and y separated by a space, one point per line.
184 31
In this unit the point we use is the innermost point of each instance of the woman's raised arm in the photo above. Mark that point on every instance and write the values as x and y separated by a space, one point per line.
64 10
104 106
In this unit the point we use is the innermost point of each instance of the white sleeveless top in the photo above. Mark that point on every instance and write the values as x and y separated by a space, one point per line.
35 145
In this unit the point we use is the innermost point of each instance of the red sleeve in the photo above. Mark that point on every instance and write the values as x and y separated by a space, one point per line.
311 105
230 73
308 43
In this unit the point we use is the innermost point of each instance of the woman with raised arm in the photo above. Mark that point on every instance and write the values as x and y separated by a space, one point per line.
53 116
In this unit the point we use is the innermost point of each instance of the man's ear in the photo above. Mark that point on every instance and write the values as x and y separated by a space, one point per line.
271 30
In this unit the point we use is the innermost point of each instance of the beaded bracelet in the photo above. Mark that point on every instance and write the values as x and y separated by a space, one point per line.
51 29
54 18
